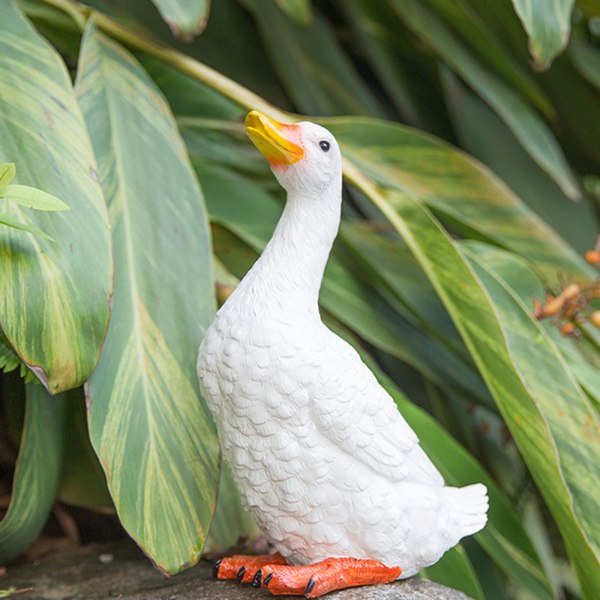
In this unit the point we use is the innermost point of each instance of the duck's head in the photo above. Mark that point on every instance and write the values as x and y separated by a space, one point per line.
304 157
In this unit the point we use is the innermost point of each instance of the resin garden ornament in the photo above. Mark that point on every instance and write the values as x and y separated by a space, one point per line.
330 470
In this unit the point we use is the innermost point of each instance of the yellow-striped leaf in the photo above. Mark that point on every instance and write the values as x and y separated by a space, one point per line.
37 473
54 305
148 425
548 24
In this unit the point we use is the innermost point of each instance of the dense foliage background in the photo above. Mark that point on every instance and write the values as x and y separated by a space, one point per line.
470 131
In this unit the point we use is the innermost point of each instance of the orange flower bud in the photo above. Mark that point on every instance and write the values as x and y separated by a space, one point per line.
595 319
593 257
567 329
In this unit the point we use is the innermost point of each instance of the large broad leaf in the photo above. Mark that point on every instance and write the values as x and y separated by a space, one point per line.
148 425
548 24
37 473
456 187
524 122
54 305
551 419
186 18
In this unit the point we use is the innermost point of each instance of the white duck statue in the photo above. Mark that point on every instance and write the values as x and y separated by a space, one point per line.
330 470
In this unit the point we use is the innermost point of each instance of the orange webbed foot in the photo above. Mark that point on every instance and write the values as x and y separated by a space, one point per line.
244 567
327 576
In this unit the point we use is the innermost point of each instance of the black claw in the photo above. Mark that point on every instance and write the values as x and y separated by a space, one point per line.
267 579
257 579
240 573
309 586
215 569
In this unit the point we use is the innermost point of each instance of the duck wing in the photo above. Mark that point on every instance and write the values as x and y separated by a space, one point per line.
354 412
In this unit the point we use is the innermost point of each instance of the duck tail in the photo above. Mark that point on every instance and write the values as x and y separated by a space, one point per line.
470 506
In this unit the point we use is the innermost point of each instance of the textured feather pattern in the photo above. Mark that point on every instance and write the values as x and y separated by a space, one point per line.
321 455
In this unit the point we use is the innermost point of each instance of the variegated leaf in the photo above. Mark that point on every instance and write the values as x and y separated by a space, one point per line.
148 425
54 305
37 473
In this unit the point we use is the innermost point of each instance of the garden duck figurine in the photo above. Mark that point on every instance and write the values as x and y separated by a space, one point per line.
330 470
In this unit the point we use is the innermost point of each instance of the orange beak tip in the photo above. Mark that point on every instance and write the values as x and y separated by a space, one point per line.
280 143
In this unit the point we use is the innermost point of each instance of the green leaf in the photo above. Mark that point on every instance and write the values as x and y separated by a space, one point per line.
483 39
32 198
9 361
550 418
456 187
456 571
389 260
7 174
82 481
485 136
37 472
185 18
149 427
578 106
231 522
586 59
316 73
188 97
298 10
54 307
548 24
400 67
523 121
10 222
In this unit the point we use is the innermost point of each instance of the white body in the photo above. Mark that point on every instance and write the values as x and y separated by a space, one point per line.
321 455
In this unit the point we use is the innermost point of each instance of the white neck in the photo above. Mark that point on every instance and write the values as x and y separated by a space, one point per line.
289 273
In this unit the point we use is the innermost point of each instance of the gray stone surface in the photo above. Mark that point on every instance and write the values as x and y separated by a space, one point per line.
106 571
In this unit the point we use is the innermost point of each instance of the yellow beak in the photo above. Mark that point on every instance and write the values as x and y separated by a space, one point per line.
280 143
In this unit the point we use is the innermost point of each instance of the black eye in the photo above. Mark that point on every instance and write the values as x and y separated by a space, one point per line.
324 146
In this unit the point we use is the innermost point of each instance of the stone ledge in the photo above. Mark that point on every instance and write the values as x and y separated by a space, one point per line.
119 570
